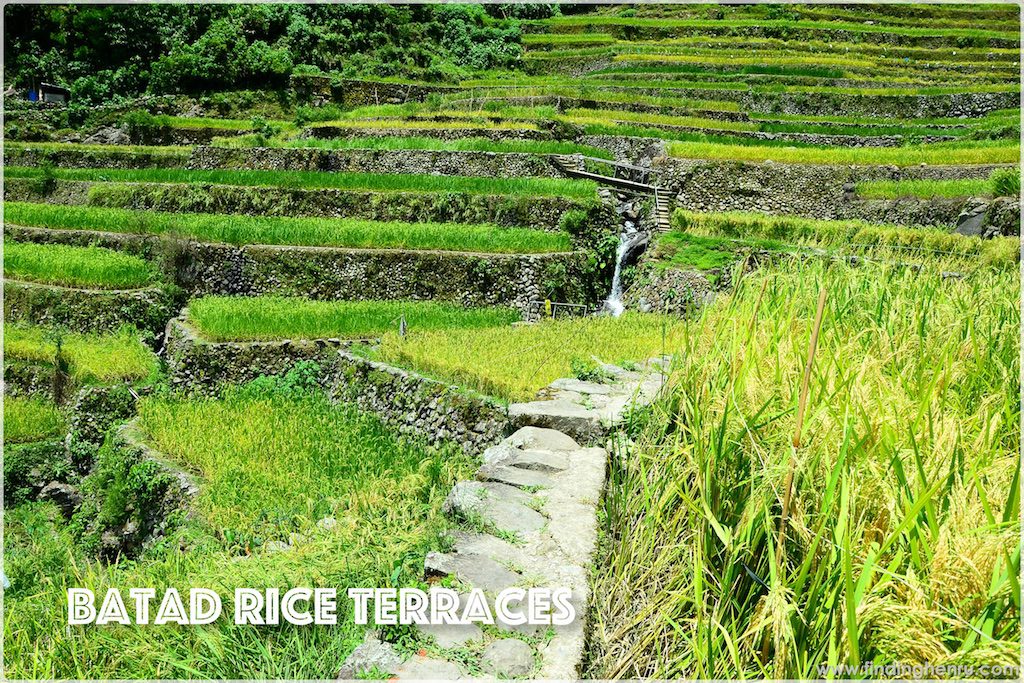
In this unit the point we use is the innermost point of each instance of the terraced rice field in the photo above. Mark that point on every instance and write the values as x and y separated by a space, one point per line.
790 233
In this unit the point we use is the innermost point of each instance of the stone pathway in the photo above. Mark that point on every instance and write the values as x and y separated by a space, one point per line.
528 520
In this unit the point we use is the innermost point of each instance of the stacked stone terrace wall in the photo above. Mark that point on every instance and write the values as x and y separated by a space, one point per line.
818 191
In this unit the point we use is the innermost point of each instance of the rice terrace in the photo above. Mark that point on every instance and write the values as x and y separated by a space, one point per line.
644 340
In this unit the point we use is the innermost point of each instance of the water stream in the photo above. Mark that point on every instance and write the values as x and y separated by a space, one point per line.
629 238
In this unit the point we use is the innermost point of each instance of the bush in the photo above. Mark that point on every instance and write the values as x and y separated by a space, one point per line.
1005 182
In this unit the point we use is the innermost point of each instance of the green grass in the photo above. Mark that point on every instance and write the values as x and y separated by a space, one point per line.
94 358
1002 183
220 318
31 419
426 124
686 251
856 236
903 539
514 363
321 232
972 152
270 465
92 267
374 182
458 145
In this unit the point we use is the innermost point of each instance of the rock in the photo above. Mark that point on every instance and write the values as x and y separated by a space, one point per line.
327 523
579 386
371 654
108 135
513 476
510 658
540 461
504 506
451 635
478 571
277 547
559 415
425 669
65 496
540 439
972 219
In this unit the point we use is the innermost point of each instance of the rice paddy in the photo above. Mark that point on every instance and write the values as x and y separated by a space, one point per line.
316 232
974 152
513 364
263 318
31 419
907 470
92 358
91 267
372 182
1001 184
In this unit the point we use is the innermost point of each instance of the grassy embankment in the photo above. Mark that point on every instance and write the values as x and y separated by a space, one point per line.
31 419
318 232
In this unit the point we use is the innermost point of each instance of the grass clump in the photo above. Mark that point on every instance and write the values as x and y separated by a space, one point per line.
858 236
372 182
271 461
904 532
686 251
304 231
222 318
60 264
31 419
514 363
94 358
1002 183
940 153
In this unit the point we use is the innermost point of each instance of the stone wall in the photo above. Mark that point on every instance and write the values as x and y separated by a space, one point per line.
346 274
412 161
198 366
814 191
542 213
417 406
113 157
88 310
455 133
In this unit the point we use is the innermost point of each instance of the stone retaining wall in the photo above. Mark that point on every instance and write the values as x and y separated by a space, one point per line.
88 310
412 161
197 366
326 273
495 134
417 406
814 191
105 158
542 213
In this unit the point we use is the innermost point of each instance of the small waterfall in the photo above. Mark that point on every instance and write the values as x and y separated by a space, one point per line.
630 238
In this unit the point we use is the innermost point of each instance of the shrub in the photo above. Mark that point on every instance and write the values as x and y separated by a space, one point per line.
1005 182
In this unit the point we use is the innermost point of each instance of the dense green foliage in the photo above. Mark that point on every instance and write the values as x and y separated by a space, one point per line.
91 267
315 460
104 52
223 318
283 230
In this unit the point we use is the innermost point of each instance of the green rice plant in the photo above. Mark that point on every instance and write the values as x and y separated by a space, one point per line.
373 182
602 116
924 189
319 232
514 363
222 318
94 358
853 235
1005 182
427 124
457 145
60 264
972 152
686 251
270 466
31 419
903 541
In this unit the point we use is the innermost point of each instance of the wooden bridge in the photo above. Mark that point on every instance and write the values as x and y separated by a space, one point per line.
574 166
